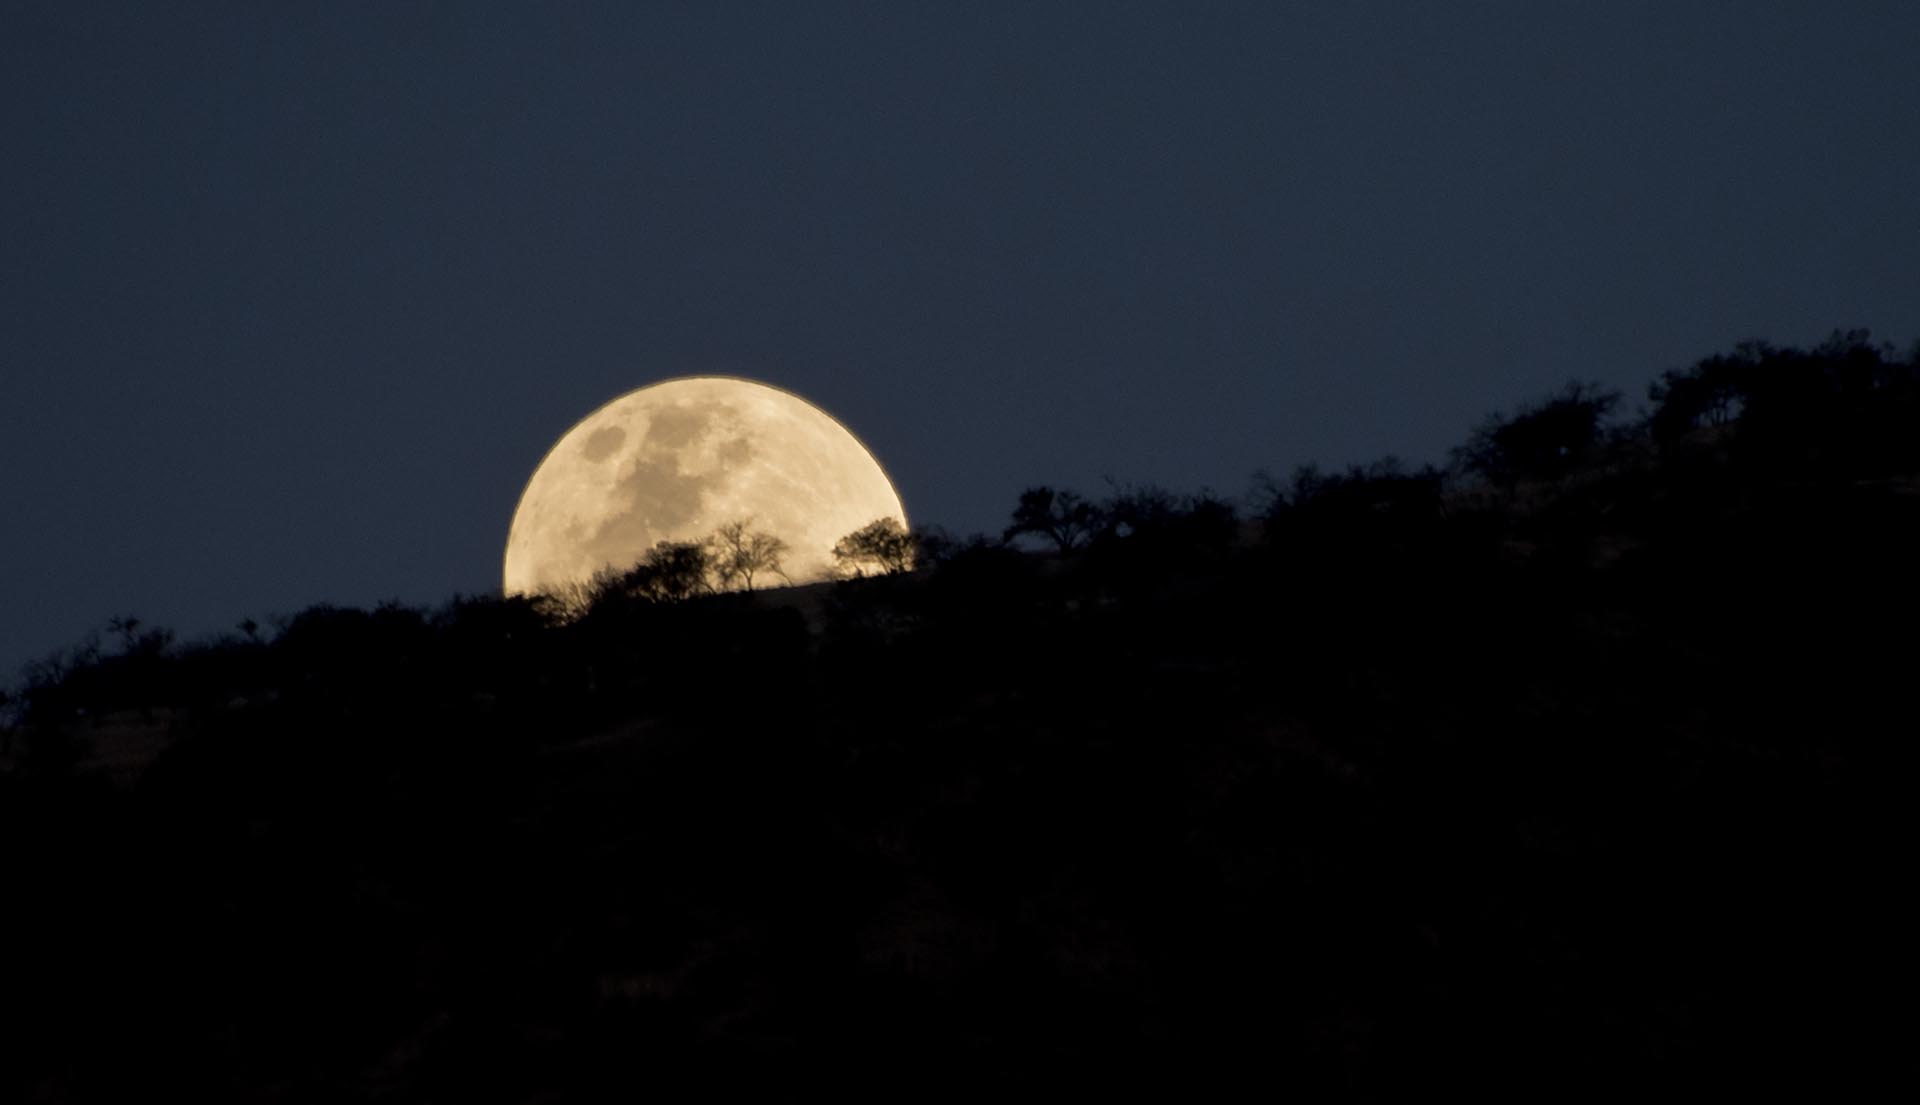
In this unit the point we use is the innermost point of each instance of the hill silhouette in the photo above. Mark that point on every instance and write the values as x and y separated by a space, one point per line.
1561 774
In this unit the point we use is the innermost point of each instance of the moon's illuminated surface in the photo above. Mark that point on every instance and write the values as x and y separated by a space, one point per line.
674 461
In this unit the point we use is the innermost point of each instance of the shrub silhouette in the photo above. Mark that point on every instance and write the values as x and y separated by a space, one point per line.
1375 513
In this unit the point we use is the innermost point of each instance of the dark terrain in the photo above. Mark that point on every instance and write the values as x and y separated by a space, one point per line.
1568 773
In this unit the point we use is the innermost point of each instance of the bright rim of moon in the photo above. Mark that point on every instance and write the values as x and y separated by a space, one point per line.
674 461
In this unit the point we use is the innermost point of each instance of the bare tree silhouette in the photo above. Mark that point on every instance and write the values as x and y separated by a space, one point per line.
1062 517
740 554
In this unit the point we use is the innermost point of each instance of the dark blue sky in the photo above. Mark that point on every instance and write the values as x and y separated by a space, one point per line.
293 297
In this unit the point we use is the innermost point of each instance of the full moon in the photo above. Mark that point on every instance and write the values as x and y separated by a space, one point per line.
674 461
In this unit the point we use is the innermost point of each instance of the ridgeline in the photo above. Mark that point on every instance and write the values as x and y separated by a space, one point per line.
1564 773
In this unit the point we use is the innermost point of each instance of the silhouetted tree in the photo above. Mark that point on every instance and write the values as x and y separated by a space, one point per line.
933 545
1357 520
126 626
53 695
740 554
1062 517
881 547
1846 409
674 571
1707 396
1155 523
669 572
1540 442
1137 510
570 600
1379 489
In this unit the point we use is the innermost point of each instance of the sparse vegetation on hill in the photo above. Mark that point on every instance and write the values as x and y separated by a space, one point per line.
1562 774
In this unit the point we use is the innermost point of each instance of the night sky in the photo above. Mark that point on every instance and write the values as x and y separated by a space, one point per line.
294 297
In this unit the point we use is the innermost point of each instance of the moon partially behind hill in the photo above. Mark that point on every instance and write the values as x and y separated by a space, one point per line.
673 461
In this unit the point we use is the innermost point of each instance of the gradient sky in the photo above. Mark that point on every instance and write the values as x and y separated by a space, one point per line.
294 297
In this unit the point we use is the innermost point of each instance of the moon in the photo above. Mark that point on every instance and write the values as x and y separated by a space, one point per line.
673 461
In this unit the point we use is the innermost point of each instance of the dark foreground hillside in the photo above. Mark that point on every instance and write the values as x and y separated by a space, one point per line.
1576 779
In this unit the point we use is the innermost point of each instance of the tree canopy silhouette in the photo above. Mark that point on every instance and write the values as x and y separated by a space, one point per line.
881 547
1543 441
1848 407
1061 517
671 571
